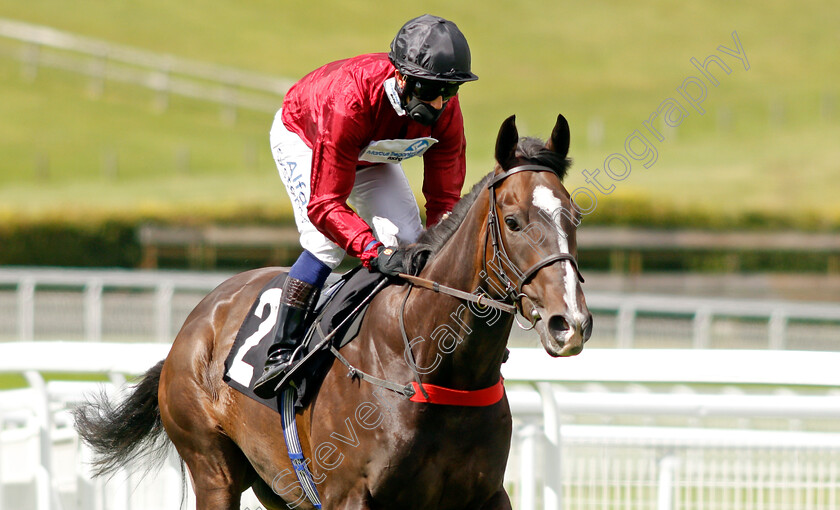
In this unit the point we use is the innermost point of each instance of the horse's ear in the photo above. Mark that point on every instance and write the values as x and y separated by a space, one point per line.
560 135
506 142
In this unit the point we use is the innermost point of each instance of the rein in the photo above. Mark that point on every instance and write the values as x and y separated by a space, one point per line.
480 299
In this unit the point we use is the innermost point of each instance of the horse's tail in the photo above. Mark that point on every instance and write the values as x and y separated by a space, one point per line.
132 430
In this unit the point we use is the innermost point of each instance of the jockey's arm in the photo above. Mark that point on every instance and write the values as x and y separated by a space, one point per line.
334 158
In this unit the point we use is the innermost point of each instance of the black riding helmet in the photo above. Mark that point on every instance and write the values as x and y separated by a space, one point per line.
433 56
432 48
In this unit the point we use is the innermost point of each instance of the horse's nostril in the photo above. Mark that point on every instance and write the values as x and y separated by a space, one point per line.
587 328
557 323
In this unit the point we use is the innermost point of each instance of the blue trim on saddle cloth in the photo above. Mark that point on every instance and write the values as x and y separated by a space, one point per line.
290 436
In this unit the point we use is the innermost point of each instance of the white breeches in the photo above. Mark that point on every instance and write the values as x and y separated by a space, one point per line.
381 196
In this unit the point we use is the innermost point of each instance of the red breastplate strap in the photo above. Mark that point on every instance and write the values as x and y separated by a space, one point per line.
449 397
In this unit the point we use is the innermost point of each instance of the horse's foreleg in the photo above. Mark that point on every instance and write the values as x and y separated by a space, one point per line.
499 501
271 500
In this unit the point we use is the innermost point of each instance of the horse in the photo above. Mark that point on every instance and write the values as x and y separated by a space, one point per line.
510 240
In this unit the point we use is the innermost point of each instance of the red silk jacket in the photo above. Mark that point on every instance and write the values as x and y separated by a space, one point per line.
340 110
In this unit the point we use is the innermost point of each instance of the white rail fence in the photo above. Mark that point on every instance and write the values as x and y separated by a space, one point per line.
150 306
670 429
101 61
612 428
42 464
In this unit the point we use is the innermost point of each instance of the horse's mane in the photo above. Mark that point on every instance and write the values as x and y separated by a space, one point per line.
532 149
436 236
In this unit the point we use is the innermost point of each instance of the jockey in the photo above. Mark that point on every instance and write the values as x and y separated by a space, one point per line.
339 139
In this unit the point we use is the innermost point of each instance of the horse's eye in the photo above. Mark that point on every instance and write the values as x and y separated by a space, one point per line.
512 224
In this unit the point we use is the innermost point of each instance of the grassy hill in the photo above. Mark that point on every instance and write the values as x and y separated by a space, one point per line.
766 144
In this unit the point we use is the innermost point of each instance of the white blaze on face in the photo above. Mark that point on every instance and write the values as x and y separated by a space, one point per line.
544 199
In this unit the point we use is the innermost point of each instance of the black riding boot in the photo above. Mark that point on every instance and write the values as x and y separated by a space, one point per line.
295 304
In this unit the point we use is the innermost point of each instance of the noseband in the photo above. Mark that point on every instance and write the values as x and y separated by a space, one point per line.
513 286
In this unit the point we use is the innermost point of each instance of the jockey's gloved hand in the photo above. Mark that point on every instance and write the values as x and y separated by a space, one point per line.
388 260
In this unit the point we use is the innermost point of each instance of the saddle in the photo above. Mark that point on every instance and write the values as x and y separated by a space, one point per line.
338 318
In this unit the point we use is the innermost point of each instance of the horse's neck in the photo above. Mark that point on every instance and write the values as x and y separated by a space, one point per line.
481 335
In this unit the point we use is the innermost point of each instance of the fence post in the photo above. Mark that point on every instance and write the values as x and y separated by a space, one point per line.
625 324
553 481
93 310
110 164
702 329
163 315
724 119
86 487
595 131
667 478
160 83
182 160
47 497
2 420
30 56
26 310
229 106
42 165
98 75
777 113
527 466
777 329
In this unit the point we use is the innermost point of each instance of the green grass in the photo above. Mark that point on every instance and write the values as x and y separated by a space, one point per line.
767 143
13 381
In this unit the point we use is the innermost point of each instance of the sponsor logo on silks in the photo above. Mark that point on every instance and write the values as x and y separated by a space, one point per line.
394 151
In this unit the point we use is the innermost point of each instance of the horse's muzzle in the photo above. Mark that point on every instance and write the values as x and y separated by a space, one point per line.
564 335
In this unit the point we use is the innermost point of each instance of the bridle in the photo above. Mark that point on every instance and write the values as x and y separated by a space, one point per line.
513 286
512 291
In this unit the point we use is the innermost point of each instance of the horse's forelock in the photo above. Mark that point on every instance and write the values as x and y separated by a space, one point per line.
535 150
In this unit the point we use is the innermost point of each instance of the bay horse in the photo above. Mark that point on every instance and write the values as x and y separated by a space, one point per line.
512 239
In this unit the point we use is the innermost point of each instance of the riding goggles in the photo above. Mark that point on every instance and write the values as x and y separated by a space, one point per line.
429 90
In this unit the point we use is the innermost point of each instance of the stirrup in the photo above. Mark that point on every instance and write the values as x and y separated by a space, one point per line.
274 369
